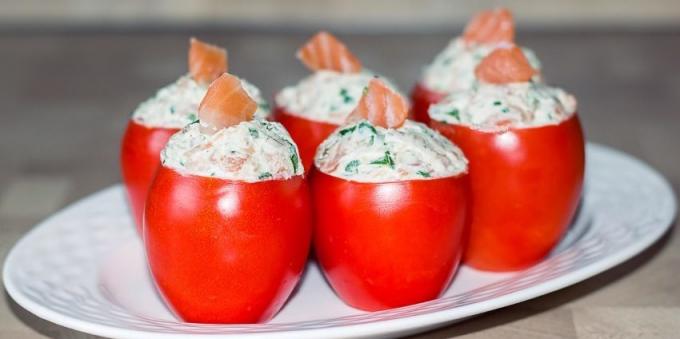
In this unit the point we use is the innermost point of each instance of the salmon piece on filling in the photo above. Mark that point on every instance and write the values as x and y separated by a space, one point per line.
381 106
225 104
325 52
490 26
206 62
505 65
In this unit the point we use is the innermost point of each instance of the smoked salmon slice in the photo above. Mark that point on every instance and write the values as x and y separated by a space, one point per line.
325 52
490 26
381 106
206 62
225 104
505 65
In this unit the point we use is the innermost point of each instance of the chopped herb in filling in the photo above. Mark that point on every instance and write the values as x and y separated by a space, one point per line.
352 166
365 125
454 113
264 175
423 174
294 159
348 130
386 160
346 98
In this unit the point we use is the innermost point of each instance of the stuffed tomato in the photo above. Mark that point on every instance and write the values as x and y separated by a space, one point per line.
391 199
171 108
526 151
227 224
312 109
453 68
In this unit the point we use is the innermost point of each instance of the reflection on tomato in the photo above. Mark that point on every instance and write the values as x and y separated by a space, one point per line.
385 245
422 99
307 134
224 251
525 184
140 158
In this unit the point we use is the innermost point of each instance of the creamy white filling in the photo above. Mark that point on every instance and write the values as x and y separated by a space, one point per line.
326 96
176 105
366 153
497 107
251 151
453 69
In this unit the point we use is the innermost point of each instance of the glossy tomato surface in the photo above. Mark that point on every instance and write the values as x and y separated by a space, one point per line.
385 245
526 184
222 251
140 158
307 134
422 99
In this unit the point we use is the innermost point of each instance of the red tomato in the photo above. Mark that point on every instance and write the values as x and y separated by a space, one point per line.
140 157
526 184
385 245
225 251
307 134
422 99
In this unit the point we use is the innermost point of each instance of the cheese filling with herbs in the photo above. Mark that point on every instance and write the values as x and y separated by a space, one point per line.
453 68
251 151
366 153
325 96
176 105
494 107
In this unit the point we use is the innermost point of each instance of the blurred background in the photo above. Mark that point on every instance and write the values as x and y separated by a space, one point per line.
73 71
345 15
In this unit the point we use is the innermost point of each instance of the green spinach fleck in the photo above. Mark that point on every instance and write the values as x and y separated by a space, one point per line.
423 174
346 98
264 175
352 167
347 130
386 160
366 125
454 113
295 160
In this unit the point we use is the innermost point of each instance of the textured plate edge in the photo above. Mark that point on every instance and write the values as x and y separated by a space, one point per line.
413 324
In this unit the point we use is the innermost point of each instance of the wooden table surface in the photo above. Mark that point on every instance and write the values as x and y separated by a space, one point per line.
65 99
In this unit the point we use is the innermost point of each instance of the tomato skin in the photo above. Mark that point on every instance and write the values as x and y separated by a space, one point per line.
307 134
388 245
223 251
422 98
526 184
139 159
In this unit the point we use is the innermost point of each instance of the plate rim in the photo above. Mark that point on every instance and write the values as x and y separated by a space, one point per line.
411 324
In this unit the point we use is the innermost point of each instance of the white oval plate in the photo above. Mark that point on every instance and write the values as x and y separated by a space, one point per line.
84 267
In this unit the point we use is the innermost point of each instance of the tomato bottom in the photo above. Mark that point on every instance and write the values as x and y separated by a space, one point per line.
388 245
525 184
226 252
